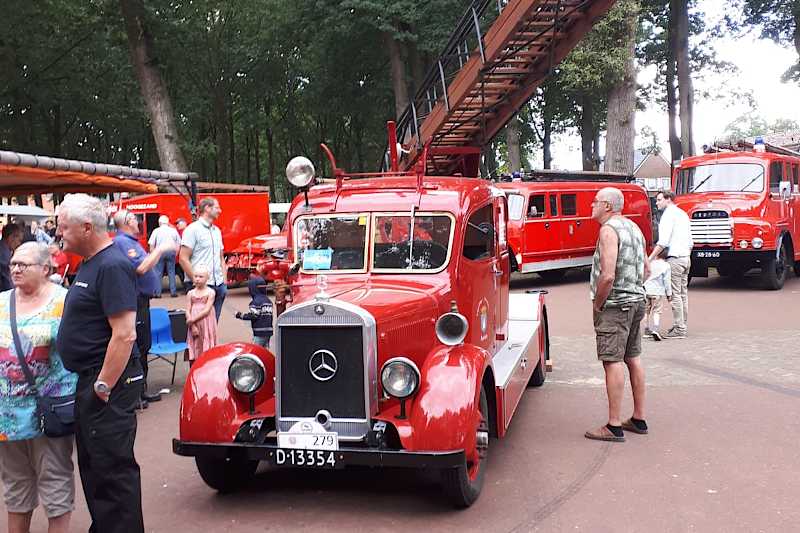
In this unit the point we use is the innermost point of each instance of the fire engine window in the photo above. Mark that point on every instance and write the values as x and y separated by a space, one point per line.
332 243
395 249
536 206
794 173
775 176
553 206
569 205
479 237
515 205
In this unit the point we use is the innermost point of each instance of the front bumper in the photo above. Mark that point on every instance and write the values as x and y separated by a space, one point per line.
345 456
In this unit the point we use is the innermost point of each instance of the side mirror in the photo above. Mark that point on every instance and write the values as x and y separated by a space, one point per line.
785 189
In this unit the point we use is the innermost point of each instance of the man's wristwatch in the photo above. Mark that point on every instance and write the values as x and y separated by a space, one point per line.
101 387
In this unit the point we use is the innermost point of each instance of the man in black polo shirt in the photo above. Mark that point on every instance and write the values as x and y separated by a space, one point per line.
96 340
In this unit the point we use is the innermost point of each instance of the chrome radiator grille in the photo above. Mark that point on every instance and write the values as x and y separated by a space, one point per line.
711 227
326 361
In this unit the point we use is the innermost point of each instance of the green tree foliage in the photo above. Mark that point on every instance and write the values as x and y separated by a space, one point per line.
752 124
778 20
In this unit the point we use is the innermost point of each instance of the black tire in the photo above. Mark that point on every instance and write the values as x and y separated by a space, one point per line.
551 276
461 488
797 268
225 475
773 270
539 374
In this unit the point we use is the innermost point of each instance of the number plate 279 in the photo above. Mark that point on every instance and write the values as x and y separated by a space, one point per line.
305 458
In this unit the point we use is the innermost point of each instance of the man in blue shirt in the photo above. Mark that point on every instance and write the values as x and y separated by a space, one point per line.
147 283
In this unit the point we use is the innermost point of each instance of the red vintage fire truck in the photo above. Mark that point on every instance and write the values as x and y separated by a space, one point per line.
744 208
402 347
550 226
244 214
244 260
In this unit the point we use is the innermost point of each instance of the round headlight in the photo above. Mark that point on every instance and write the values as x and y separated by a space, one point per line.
246 373
451 328
400 377
300 171
758 242
742 244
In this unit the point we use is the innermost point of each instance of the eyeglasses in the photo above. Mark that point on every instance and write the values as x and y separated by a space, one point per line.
22 267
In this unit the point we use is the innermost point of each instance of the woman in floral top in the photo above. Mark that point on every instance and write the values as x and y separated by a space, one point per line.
33 466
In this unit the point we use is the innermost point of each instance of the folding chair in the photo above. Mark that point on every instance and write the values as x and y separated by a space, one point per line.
162 344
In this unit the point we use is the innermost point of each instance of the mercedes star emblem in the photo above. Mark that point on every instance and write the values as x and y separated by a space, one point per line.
323 365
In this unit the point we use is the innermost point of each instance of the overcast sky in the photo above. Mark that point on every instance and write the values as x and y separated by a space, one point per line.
761 64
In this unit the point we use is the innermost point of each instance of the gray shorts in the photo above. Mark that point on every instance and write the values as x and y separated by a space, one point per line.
38 468
618 331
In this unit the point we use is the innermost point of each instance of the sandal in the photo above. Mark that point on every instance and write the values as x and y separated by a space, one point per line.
628 425
603 433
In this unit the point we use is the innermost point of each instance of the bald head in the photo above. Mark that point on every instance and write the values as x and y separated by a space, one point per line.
613 196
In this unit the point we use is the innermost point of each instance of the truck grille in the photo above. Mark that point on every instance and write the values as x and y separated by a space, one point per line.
345 386
711 227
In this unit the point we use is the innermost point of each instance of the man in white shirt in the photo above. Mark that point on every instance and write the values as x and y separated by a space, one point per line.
201 245
675 236
165 236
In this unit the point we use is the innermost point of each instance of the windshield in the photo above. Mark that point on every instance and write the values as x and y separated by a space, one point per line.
721 177
332 243
398 248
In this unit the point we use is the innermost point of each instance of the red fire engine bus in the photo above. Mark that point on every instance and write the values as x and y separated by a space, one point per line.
550 226
244 215
402 346
744 208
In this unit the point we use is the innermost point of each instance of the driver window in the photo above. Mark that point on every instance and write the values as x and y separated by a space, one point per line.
479 237
536 206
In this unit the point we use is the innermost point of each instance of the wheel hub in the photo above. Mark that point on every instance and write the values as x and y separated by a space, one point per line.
482 439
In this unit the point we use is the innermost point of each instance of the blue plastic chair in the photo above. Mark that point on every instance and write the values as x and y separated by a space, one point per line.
162 344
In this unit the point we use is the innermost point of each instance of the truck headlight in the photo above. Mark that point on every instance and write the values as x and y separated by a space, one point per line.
400 377
758 242
246 373
743 244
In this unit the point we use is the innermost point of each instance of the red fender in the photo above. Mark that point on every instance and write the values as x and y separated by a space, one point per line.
442 415
211 409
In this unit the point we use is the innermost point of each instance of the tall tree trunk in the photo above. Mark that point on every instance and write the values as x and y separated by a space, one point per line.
231 141
587 132
489 161
512 143
257 149
622 112
154 89
417 64
398 68
675 147
547 140
685 90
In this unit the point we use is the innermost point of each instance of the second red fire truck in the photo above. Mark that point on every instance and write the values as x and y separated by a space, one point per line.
744 207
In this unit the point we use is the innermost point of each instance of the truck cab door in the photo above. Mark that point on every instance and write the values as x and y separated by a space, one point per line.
479 280
501 270
542 238
576 229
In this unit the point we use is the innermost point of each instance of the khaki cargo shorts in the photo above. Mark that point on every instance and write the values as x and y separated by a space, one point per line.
618 332
35 469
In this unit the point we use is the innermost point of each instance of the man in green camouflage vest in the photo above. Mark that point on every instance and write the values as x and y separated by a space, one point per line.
619 269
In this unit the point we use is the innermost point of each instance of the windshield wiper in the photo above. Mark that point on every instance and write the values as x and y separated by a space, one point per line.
751 181
701 183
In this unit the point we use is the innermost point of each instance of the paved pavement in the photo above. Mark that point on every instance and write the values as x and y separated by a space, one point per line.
721 455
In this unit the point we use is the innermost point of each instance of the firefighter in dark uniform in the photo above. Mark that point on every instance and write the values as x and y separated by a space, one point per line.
96 340
147 282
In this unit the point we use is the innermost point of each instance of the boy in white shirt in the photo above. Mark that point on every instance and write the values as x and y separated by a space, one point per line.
656 288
